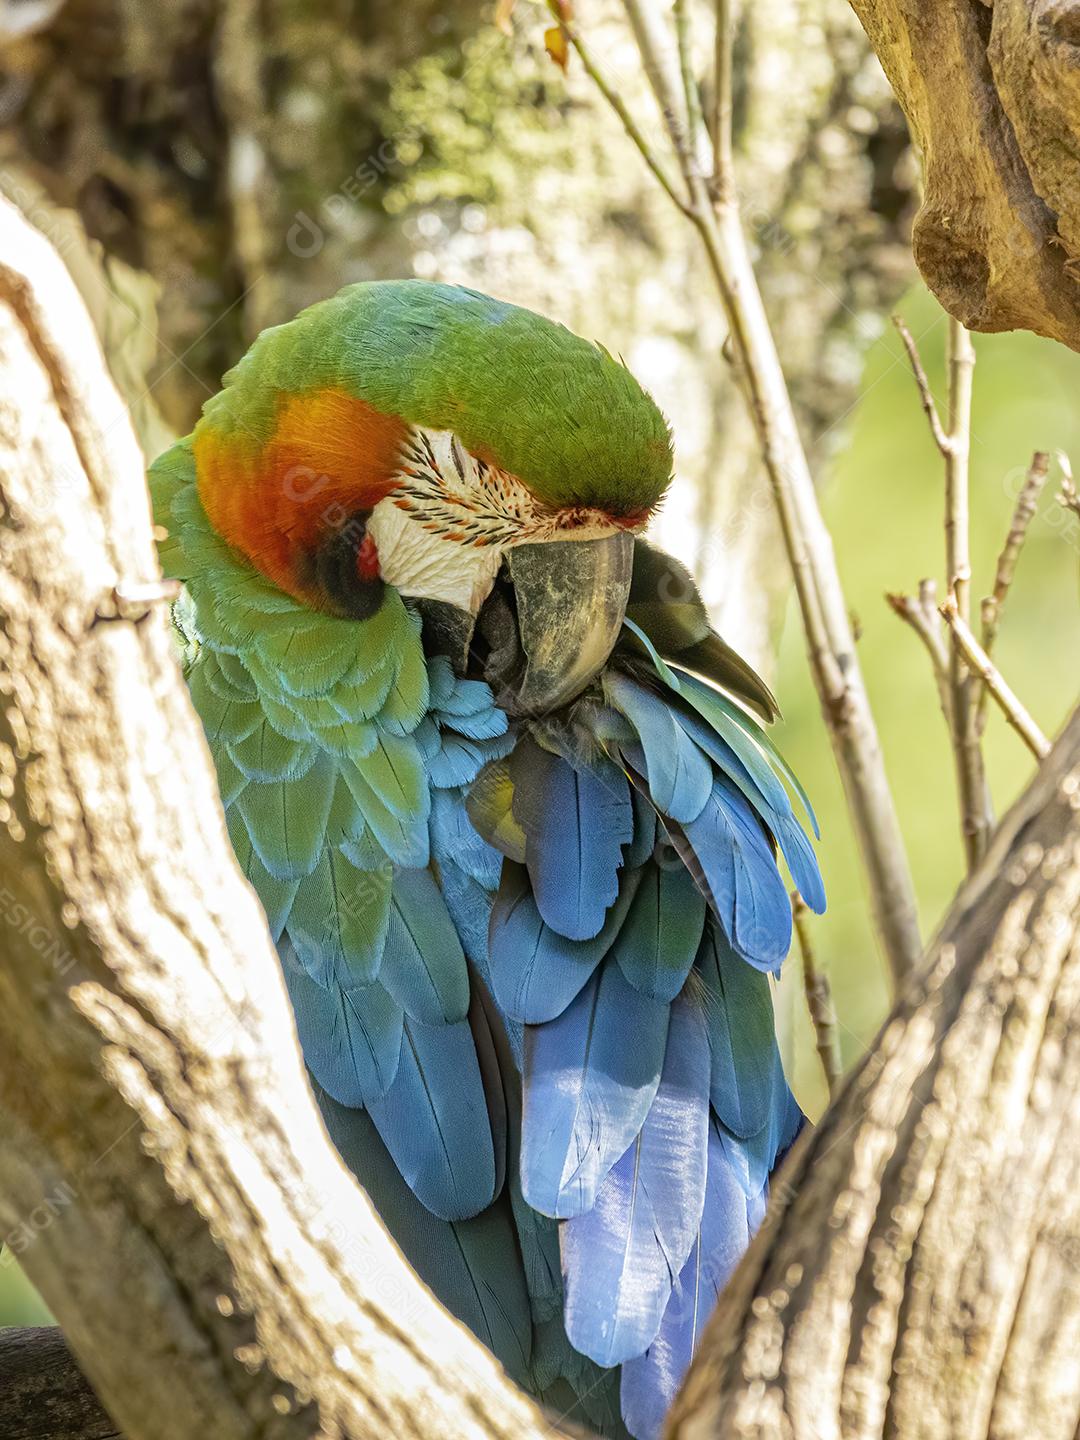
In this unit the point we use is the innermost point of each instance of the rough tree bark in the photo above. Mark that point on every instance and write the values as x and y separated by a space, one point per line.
918 1271
990 89
43 1395
163 1172
161 1162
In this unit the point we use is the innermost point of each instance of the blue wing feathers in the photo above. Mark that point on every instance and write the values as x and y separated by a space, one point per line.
351 1038
576 822
434 1120
680 776
747 890
535 971
586 1091
423 964
621 1258
659 941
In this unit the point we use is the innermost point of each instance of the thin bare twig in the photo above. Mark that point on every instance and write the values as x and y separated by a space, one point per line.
1067 495
819 999
954 442
1004 696
615 100
977 820
941 439
697 137
993 604
921 614
723 180
826 620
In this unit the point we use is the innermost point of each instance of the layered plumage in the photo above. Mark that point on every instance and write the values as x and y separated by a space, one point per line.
529 955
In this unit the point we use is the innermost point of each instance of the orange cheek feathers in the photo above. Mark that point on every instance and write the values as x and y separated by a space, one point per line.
329 456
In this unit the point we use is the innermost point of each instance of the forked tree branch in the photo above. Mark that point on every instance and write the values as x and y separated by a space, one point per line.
1002 693
990 92
713 209
953 441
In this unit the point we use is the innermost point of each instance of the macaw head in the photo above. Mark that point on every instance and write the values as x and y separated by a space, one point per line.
433 439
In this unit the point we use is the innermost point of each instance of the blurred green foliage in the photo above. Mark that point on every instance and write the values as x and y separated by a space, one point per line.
883 502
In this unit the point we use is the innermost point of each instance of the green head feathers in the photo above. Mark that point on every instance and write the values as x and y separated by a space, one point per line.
518 390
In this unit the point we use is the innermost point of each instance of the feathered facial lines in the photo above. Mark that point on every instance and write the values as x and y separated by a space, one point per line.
451 515
467 498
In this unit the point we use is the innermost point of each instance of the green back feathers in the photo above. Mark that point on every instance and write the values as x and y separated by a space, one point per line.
555 410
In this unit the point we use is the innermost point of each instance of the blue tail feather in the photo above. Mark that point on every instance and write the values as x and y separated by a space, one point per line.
434 1120
576 822
586 1091
473 1266
621 1258
746 1068
656 946
650 1381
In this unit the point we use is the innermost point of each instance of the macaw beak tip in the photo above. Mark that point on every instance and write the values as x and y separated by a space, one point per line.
571 598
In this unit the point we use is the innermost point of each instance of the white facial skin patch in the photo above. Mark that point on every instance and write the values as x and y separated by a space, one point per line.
442 533
424 564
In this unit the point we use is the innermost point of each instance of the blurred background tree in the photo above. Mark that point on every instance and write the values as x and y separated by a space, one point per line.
234 160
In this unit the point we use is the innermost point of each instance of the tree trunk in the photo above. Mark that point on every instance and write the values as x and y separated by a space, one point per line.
164 1177
991 91
43 1396
916 1274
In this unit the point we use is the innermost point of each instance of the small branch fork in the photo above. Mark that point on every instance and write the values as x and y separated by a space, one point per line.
1003 695
966 676
922 614
708 197
954 443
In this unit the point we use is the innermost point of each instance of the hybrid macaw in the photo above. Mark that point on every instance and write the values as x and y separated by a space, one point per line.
499 789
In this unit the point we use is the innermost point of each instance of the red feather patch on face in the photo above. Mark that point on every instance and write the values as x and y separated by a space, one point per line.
329 456
367 560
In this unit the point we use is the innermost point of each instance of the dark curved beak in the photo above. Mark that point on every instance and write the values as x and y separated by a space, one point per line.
571 598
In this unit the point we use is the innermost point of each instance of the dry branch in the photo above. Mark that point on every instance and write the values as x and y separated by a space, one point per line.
953 440
1068 497
1003 695
994 603
43 1395
712 205
819 1000
922 615
991 95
